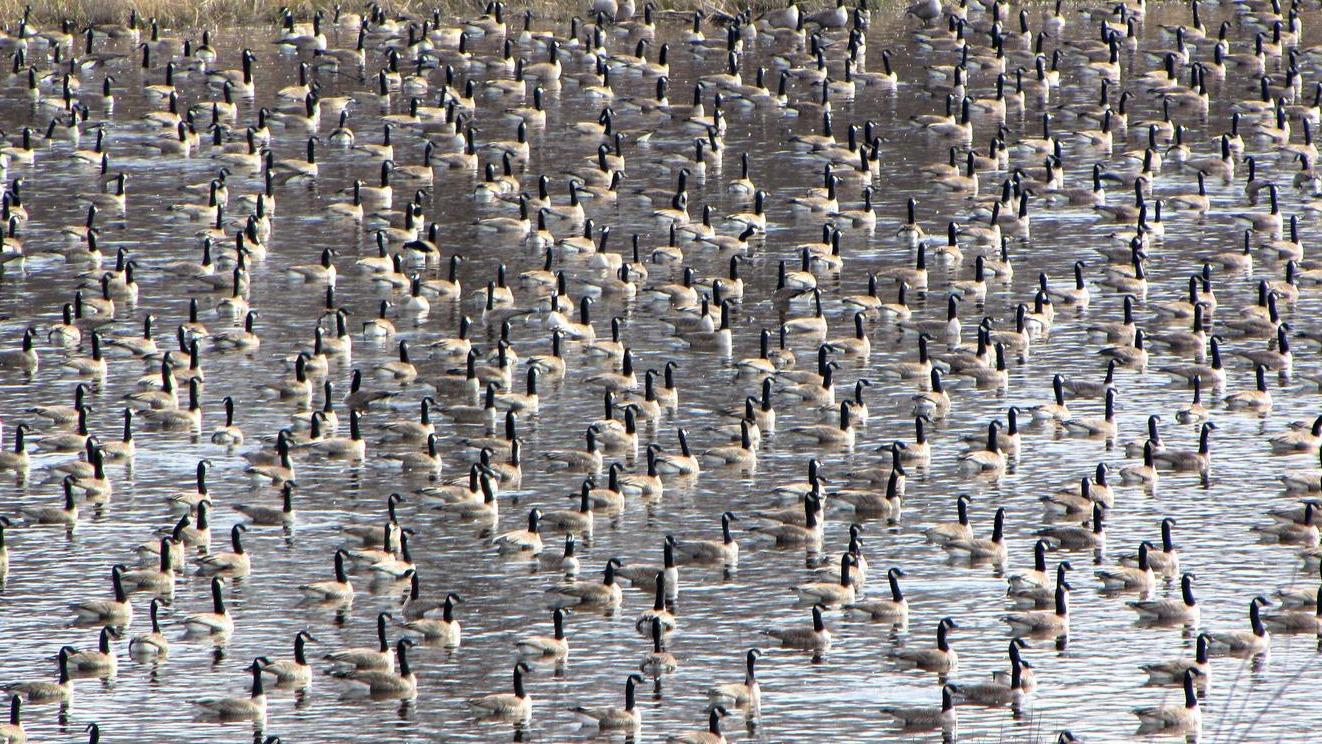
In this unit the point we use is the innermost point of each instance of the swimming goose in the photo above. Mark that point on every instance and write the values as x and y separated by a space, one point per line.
1199 461
614 719
547 647
41 691
367 658
292 673
158 581
522 541
1138 578
894 610
1299 515
604 594
922 717
1168 719
982 549
101 662
218 622
1183 611
445 631
1287 529
1035 577
1296 621
941 658
506 706
23 359
1073 503
1052 622
817 639
232 709
832 594
340 590
710 552
352 447
1165 673
1002 690
152 643
229 435
234 563
13 732
17 459
261 515
1104 426
932 404
565 562
945 532
58 516
989 461
710 736
746 696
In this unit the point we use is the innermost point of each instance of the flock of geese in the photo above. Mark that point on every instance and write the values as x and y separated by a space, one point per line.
540 134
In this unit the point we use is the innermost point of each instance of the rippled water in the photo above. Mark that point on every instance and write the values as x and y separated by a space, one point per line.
1087 685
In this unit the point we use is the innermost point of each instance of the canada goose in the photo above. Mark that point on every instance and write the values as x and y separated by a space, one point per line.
991 549
340 590
153 643
1186 718
1171 672
231 709
944 532
17 459
1199 460
627 718
1000 691
445 631
1296 621
158 581
56 516
1052 622
292 673
1184 611
1258 400
275 470
576 521
367 658
101 662
933 404
604 594
230 435
352 447
13 730
1291 526
39 692
522 541
23 359
741 456
990 460
547 647
260 515
1103 427
1129 578
218 622
234 563
940 658
831 594
725 551
923 717
894 610
506 706
817 639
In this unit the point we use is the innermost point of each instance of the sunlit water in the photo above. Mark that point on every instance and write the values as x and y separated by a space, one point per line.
1087 685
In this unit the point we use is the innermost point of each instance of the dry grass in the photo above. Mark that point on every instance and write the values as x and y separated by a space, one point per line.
189 14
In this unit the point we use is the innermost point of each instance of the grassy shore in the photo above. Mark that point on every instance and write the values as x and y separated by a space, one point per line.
196 13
